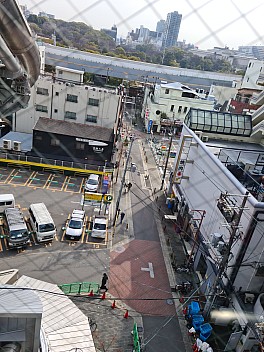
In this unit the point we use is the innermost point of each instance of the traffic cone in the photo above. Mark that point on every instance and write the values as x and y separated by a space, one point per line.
113 305
103 296
126 314
91 294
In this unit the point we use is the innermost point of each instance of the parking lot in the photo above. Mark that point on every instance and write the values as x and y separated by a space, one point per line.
61 194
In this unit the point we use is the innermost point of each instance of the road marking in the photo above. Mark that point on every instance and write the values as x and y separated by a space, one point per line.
150 270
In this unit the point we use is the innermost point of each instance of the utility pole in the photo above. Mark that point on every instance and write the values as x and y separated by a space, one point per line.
122 183
166 164
234 226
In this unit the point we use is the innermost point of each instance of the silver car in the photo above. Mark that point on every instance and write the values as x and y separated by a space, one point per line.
74 228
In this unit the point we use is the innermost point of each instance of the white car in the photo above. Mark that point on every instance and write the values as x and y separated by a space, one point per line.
74 228
99 229
92 183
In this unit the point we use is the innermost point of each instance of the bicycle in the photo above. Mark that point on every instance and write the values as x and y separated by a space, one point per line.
93 325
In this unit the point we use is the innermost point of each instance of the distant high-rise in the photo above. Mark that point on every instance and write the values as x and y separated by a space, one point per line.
172 28
160 28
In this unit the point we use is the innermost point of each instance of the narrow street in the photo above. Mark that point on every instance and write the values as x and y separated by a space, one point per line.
138 272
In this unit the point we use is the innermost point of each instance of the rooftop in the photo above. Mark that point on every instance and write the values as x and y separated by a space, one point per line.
74 129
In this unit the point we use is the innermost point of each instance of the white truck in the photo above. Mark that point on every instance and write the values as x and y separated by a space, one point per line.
99 229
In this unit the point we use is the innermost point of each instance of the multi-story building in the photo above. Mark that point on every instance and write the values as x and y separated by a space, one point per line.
65 97
256 51
111 32
172 29
210 181
166 103
254 76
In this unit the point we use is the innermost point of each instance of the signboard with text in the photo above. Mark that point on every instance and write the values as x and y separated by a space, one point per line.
98 197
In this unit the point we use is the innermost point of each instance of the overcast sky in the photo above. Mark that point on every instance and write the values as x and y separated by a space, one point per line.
205 23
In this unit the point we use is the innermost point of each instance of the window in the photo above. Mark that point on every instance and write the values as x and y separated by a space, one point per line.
70 115
54 141
172 108
57 93
60 72
72 98
185 109
93 102
38 138
42 91
80 146
180 109
91 118
41 108
167 91
55 110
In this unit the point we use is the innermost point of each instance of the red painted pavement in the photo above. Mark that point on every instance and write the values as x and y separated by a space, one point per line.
127 280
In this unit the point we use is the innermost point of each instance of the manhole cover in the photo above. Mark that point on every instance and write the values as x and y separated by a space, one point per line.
169 302
119 249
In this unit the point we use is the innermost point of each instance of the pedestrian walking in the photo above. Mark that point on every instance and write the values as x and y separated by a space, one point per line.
129 185
122 215
104 281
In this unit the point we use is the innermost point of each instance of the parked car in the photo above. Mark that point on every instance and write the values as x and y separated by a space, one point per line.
92 183
99 229
74 227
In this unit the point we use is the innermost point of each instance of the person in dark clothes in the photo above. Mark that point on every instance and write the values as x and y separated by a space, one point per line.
104 281
122 215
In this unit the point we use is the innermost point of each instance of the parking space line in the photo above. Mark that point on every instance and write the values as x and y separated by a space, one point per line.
64 183
56 237
46 183
84 229
89 229
64 231
31 178
81 186
9 176
6 244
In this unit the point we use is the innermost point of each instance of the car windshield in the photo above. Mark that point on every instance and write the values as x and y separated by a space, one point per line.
99 226
92 182
46 227
75 224
18 234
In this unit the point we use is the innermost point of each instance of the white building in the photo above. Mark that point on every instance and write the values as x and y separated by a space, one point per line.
254 76
64 97
210 191
172 101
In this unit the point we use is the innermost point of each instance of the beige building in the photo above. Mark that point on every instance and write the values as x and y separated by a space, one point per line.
64 97
169 102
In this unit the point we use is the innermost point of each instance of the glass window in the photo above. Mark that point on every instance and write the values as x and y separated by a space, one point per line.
42 91
70 115
179 108
172 108
41 108
167 91
80 146
72 98
54 141
57 93
93 102
91 118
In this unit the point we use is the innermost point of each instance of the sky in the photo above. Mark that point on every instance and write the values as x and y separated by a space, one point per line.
205 23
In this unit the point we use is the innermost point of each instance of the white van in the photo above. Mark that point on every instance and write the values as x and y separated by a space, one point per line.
99 229
41 222
6 201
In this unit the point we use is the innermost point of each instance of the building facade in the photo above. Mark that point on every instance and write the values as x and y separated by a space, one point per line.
210 191
169 102
63 97
172 28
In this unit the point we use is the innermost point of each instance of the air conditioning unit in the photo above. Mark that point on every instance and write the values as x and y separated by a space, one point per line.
7 144
17 146
205 138
199 134
216 237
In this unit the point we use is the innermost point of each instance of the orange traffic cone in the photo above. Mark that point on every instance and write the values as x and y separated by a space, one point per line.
126 314
91 294
113 305
103 296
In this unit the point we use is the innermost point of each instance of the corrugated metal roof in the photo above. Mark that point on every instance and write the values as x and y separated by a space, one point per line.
19 302
73 129
65 326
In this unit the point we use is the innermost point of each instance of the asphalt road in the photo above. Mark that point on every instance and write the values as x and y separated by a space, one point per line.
161 333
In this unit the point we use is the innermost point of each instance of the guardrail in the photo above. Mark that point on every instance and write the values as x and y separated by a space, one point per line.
21 159
78 288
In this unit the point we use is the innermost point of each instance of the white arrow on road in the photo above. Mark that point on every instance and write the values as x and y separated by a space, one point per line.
150 270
